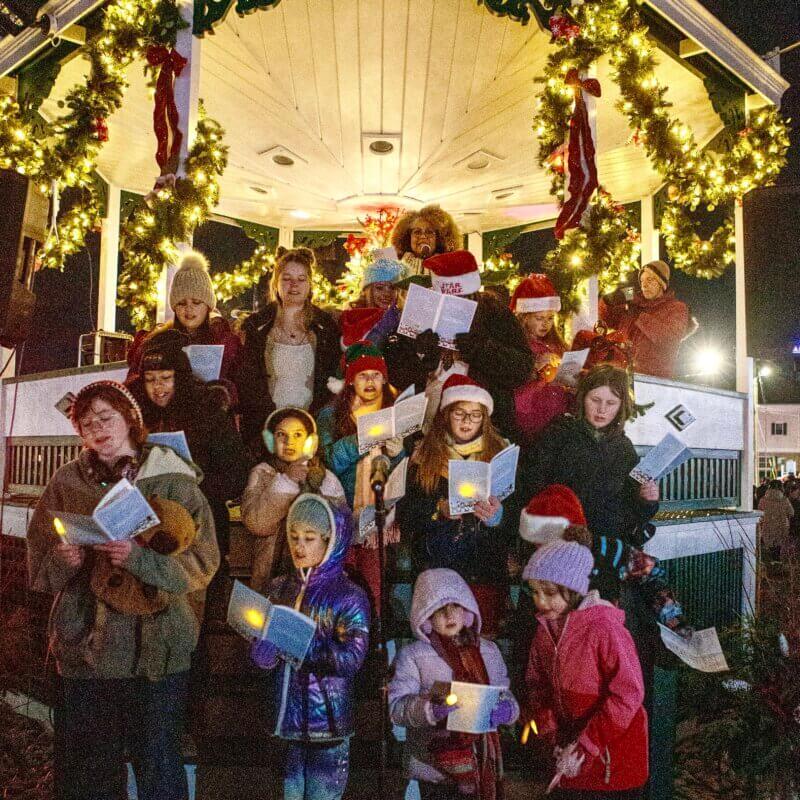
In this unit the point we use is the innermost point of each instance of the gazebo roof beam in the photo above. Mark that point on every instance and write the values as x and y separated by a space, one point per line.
702 27
17 50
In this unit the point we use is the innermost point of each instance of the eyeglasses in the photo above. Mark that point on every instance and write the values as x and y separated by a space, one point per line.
91 423
473 416
423 232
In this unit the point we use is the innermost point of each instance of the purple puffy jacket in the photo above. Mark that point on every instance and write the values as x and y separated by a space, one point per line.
315 703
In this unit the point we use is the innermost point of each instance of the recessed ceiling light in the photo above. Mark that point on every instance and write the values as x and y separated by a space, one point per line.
381 147
282 160
478 163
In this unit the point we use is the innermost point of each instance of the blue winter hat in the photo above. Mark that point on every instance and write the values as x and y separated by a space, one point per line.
382 270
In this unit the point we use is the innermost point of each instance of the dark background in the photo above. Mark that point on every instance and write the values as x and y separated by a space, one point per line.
66 302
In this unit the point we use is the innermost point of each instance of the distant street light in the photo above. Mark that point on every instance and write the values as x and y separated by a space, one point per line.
765 371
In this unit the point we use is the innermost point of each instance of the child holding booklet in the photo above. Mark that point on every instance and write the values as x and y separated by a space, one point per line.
314 704
446 622
364 389
583 681
474 545
291 466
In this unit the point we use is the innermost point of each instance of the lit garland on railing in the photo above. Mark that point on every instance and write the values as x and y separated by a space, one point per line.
581 36
244 276
169 216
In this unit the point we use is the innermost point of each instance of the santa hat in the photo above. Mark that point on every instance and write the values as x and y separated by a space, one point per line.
550 513
359 357
356 323
535 293
454 273
462 389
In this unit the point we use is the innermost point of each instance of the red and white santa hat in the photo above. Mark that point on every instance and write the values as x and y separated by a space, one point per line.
550 513
535 293
454 273
461 389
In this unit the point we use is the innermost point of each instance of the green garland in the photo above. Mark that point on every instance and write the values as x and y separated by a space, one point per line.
168 216
245 275
613 28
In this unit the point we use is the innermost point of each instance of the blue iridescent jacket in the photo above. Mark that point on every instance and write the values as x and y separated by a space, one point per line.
315 702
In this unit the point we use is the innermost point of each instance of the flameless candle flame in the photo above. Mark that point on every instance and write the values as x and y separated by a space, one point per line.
530 727
467 490
376 430
451 699
254 617
59 527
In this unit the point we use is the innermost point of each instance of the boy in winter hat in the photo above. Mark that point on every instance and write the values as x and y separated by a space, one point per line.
313 708
556 514
584 687
446 622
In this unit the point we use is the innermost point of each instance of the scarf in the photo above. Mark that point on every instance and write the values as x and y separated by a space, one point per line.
108 475
473 761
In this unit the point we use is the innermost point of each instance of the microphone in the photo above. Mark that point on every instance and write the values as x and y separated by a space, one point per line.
379 472
425 250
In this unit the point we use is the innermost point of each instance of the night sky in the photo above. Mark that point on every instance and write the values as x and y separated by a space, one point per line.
772 219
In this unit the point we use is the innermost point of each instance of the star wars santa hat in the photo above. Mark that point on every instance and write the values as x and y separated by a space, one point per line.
550 513
462 389
454 273
535 293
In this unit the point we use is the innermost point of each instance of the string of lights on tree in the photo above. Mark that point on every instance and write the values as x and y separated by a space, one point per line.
581 35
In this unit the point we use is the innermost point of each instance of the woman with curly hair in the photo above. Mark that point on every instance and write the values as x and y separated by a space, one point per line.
291 348
418 235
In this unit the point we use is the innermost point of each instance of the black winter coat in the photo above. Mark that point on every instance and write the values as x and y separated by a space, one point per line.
213 440
495 349
255 403
476 552
596 469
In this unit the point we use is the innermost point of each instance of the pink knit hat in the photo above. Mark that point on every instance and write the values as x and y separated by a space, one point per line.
566 564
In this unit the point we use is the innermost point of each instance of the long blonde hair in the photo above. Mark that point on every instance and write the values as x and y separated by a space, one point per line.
432 456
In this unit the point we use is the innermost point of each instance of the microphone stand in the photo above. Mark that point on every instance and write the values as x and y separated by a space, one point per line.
378 487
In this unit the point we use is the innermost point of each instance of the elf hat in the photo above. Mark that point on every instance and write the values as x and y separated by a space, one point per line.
356 323
382 270
460 388
192 281
454 273
566 564
550 513
535 293
359 357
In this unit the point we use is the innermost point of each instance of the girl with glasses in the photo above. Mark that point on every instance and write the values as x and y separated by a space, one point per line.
475 544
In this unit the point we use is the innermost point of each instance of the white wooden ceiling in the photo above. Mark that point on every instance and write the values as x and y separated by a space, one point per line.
441 81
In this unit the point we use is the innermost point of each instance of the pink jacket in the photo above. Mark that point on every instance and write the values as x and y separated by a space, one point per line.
588 686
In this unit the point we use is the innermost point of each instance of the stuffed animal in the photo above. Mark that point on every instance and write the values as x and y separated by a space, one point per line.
124 592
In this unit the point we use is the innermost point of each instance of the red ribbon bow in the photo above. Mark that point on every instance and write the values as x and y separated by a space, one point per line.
582 167
562 27
165 113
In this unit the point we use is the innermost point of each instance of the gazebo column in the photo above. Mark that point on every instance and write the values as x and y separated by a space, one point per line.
650 233
187 100
286 237
743 378
109 263
475 245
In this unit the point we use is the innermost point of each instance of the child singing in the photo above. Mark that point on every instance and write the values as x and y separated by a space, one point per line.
583 682
314 704
446 622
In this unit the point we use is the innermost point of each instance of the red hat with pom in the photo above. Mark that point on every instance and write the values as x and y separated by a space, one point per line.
550 513
535 293
356 323
461 389
454 273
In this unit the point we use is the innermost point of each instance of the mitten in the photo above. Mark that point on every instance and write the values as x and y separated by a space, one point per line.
569 760
436 712
264 654
426 346
467 345
315 477
502 713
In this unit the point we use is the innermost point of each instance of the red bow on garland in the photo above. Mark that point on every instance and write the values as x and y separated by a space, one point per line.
165 113
562 27
582 166
355 244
